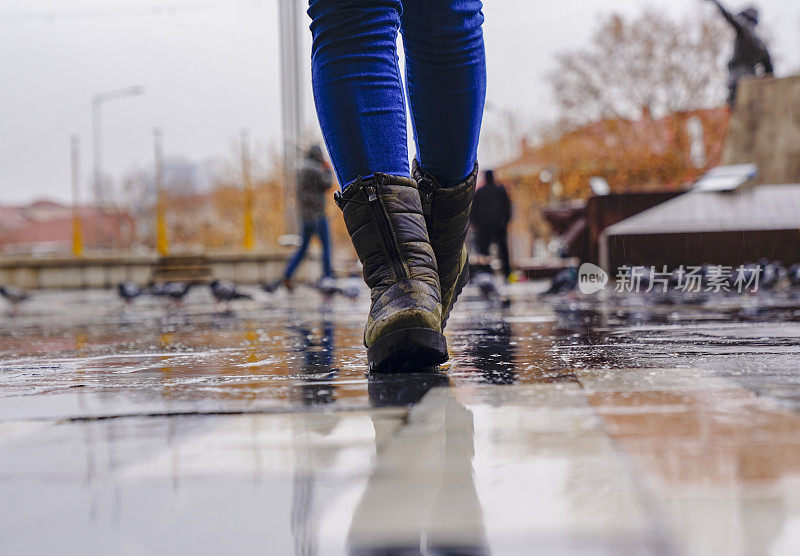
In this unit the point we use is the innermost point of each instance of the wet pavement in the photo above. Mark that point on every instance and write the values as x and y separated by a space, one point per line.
639 425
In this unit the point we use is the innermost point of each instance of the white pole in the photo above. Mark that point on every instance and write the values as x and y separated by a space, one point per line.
97 147
289 23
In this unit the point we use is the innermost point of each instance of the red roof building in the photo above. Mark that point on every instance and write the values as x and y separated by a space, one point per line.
45 226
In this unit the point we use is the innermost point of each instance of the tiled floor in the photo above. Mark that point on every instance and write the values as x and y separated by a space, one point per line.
557 428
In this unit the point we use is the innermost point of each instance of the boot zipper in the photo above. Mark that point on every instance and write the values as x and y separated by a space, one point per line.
426 187
387 235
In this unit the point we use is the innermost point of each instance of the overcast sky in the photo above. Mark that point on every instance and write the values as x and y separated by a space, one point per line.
212 69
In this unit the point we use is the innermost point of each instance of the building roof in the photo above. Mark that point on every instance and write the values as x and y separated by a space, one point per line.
764 207
45 225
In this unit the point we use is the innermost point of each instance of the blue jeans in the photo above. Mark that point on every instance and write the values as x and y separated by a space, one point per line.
310 229
359 93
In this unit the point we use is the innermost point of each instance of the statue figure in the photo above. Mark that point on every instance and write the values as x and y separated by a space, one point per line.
750 55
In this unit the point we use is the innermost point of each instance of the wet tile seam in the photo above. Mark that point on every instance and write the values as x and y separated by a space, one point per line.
210 413
660 530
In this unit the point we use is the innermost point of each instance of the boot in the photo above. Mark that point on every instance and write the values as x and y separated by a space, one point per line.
383 215
446 212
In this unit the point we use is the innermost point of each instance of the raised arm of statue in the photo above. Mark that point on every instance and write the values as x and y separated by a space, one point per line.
729 17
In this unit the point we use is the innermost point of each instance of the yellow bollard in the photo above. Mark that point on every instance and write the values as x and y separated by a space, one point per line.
162 241
248 240
77 236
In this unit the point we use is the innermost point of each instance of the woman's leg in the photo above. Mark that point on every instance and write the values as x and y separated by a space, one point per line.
446 80
358 91
359 98
297 258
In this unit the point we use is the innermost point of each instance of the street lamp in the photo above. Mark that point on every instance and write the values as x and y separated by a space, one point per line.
97 153
289 17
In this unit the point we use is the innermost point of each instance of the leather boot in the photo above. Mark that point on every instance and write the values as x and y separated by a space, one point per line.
383 215
446 211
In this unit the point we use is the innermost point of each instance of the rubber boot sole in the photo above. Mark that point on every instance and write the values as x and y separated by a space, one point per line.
408 350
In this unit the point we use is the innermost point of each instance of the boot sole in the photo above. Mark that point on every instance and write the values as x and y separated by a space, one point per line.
412 349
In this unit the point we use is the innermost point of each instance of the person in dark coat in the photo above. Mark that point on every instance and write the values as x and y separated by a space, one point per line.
750 55
491 213
313 182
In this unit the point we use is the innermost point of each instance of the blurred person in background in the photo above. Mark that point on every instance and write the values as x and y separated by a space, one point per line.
408 224
313 182
750 55
491 215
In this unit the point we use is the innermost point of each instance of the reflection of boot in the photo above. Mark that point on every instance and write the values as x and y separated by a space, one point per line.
421 497
384 218
447 218
403 390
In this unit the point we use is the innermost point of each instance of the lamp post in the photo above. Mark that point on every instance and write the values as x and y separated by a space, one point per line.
97 145
291 99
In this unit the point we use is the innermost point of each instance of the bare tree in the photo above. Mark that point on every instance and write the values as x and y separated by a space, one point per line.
651 62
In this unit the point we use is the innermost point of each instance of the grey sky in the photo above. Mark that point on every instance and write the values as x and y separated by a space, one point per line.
212 70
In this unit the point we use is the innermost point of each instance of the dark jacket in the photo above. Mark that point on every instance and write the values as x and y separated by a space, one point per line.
491 208
313 182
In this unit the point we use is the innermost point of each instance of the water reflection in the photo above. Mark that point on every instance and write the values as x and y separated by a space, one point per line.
317 357
421 495
575 318
492 352
316 347
403 390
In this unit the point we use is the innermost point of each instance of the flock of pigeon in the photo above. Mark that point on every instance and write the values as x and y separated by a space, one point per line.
223 291
767 275
770 275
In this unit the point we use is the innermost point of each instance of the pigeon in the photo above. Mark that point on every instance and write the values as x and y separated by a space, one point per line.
326 286
129 291
14 295
329 287
223 290
564 281
794 275
771 274
487 286
176 291
352 287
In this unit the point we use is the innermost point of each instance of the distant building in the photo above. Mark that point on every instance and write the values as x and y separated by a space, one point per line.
698 227
183 177
628 154
45 226
631 156
730 226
